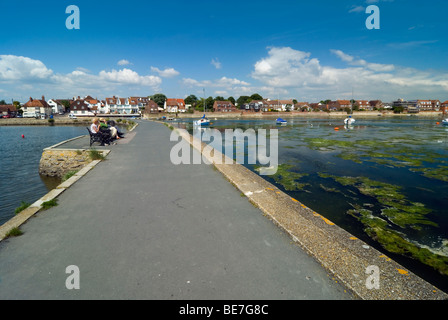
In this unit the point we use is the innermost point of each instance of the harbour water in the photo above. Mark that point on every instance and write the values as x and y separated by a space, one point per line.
19 163
384 180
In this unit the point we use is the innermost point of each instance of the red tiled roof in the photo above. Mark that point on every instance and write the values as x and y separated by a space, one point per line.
7 107
37 103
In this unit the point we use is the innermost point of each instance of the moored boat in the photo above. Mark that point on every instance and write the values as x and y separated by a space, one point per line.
349 120
281 121
202 122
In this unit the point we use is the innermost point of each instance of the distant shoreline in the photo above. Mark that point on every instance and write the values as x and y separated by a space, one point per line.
58 121
295 114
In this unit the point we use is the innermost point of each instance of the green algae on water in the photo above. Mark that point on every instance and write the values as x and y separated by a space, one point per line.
289 179
395 207
320 143
378 229
396 210
397 153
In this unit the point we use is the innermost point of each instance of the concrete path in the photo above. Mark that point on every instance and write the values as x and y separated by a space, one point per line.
139 227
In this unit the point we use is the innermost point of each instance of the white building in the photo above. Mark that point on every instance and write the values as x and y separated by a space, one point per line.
117 105
56 106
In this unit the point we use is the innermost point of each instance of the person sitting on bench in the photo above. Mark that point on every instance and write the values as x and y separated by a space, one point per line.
112 123
113 130
105 133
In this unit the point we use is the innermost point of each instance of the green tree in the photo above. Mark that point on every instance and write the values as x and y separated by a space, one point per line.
2 102
242 100
209 103
231 99
256 96
199 105
398 109
159 98
66 104
219 98
191 99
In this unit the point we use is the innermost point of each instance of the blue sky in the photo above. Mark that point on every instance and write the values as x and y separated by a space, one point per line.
306 50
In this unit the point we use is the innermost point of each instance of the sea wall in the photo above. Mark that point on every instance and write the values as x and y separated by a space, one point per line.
58 162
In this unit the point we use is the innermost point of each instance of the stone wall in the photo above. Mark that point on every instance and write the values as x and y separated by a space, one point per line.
57 162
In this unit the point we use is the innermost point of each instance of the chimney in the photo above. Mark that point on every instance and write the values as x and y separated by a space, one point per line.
43 98
31 99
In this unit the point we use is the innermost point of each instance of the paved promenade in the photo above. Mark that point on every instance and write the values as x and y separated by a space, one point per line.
139 227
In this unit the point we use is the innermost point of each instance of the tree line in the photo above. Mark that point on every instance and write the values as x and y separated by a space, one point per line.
198 103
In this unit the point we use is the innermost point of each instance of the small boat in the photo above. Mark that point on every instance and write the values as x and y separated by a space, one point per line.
281 121
202 122
445 122
349 120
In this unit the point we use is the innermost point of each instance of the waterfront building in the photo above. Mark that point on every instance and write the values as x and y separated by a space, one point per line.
255 106
363 105
424 105
302 106
116 105
339 105
140 102
174 105
35 108
444 107
152 107
376 104
224 106
409 106
435 105
8 110
80 107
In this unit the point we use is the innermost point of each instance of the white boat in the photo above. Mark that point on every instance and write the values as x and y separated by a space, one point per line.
202 122
281 121
349 120
445 122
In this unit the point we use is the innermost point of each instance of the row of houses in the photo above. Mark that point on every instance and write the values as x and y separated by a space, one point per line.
289 105
89 106
342 105
415 106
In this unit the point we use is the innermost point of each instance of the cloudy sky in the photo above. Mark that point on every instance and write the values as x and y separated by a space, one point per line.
306 50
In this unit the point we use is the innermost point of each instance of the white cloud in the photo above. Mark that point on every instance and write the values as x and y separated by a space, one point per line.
127 76
411 44
167 73
286 67
24 75
123 62
357 9
360 62
305 77
22 68
224 82
216 63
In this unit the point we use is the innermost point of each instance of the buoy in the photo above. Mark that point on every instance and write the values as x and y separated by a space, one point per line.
437 122
23 136
336 128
